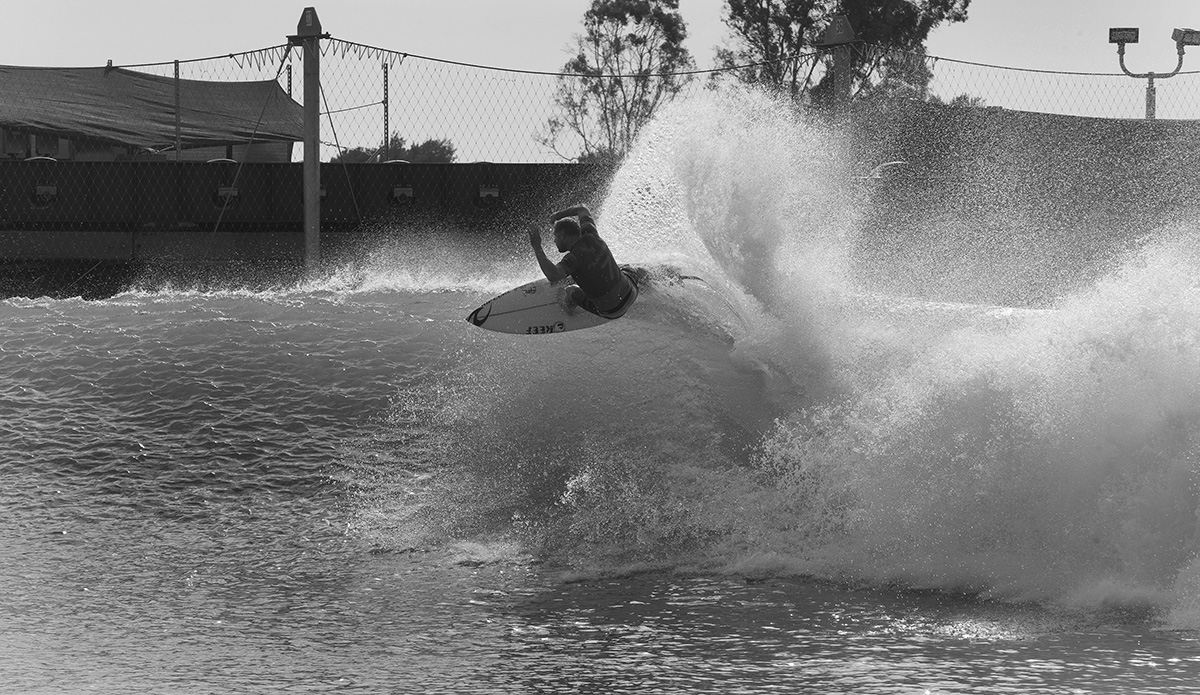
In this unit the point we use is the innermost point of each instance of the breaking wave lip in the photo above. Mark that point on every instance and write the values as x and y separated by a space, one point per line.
1051 460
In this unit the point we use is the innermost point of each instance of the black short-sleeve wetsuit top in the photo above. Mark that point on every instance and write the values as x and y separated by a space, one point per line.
592 265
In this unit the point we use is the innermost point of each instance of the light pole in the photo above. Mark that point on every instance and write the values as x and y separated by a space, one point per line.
1124 35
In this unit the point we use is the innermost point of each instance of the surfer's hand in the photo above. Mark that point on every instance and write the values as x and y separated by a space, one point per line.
535 237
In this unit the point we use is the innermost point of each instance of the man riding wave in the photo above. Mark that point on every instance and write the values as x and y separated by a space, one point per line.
601 286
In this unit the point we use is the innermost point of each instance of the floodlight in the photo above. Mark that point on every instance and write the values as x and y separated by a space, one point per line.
1123 35
1181 37
1186 37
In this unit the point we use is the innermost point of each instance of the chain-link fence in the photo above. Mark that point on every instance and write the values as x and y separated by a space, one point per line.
1098 95
498 115
491 114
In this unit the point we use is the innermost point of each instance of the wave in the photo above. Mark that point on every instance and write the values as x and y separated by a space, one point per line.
783 417
1054 460
625 445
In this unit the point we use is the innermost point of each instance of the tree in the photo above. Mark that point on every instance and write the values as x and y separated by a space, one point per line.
769 31
902 25
766 35
427 152
624 67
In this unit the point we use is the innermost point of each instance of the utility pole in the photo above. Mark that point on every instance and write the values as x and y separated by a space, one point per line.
837 38
308 35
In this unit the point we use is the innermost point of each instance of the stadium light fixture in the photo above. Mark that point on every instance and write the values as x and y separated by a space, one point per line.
1124 35
1185 37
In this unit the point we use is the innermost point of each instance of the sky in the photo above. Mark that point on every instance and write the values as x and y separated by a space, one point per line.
1068 35
534 35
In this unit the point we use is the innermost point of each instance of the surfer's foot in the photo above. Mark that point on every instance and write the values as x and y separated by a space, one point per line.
568 304
636 274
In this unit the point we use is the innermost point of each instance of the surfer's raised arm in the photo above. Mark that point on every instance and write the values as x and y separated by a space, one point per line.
576 211
550 269
587 225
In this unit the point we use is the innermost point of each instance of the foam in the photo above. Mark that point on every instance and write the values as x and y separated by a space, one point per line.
780 419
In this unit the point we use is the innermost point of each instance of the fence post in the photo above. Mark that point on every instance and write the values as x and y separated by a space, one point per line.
837 37
178 140
841 77
387 153
308 35
1151 97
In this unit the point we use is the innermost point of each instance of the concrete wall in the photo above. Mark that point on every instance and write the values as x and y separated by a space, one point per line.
147 211
90 228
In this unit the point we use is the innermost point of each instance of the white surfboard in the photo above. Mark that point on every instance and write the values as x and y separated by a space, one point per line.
535 308
541 307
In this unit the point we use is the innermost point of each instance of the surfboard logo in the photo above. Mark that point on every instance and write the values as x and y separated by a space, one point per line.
549 328
481 314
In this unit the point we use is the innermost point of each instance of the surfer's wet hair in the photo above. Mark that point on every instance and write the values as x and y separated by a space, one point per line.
567 225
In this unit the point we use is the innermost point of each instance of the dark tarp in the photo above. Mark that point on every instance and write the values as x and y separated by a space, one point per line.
124 107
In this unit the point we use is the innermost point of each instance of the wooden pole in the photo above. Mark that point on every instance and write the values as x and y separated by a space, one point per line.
308 35
178 140
837 37
841 78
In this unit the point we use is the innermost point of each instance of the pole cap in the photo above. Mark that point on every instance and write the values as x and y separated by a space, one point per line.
310 24
838 33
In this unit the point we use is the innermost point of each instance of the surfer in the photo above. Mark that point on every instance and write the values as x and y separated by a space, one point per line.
601 286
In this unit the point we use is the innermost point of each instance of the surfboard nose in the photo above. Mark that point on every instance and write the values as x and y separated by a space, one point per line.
480 315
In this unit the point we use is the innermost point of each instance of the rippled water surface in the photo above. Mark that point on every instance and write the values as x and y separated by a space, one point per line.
192 488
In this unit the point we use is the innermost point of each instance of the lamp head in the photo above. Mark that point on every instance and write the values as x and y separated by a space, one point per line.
1186 37
1123 35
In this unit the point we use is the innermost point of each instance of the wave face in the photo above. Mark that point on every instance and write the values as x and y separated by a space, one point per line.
781 417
